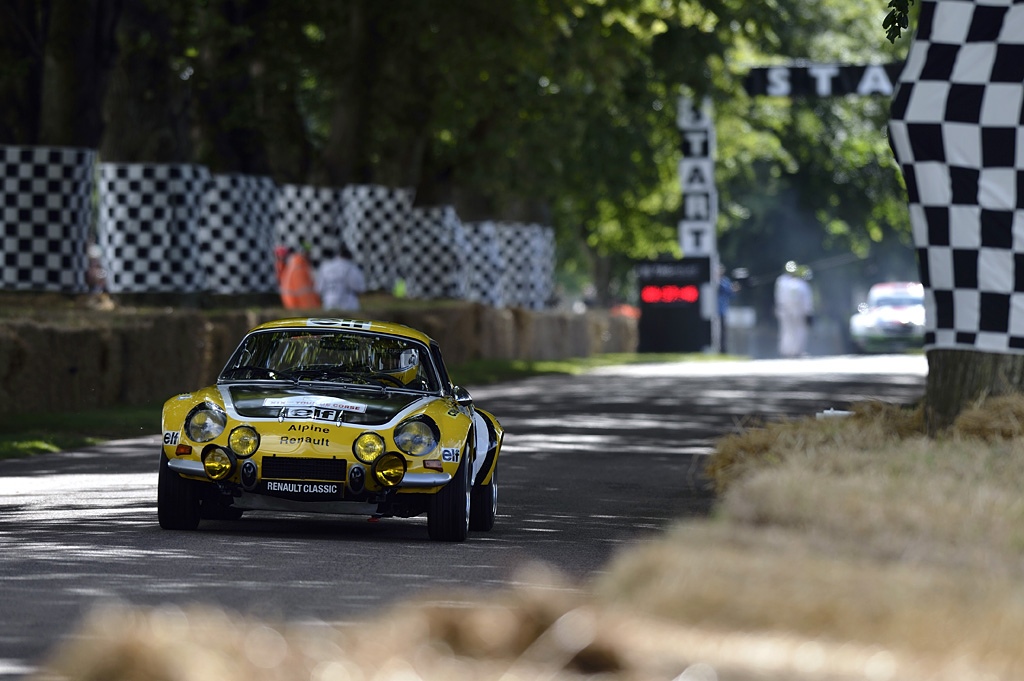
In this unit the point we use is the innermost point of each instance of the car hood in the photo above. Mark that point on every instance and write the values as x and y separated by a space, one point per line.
908 314
321 404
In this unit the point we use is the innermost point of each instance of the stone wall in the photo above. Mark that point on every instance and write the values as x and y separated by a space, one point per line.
89 359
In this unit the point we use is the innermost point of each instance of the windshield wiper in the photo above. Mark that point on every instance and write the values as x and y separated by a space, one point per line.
255 373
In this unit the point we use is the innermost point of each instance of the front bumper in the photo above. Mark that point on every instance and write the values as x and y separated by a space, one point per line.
195 469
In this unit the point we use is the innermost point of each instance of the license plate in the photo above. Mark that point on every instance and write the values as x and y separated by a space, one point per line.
303 490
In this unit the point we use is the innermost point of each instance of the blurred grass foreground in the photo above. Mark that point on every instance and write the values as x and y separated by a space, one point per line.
841 548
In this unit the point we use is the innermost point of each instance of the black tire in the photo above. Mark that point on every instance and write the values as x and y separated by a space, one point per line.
483 505
448 515
177 500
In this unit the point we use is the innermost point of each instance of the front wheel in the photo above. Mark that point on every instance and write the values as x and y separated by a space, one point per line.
483 505
448 515
177 500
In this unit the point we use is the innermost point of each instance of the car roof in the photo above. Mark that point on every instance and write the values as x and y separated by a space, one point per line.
336 324
898 286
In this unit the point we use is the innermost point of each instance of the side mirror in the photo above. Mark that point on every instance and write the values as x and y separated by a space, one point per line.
463 397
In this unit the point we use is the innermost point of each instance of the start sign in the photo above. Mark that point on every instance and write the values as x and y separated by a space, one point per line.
675 305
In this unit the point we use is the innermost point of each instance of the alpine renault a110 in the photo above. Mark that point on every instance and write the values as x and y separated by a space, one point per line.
331 416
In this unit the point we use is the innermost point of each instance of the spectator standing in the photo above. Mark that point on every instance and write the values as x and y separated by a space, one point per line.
339 281
298 288
794 308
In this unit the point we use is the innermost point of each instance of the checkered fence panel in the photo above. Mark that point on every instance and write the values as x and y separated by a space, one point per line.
484 264
544 287
957 131
309 216
148 226
237 233
373 222
529 254
434 248
45 217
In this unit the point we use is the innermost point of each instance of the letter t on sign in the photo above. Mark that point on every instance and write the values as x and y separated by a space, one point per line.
697 178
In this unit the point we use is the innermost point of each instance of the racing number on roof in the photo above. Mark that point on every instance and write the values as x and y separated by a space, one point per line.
340 323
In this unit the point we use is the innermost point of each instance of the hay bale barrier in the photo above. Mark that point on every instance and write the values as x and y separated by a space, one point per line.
62 357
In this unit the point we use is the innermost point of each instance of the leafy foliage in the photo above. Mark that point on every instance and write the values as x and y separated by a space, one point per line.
897 19
555 111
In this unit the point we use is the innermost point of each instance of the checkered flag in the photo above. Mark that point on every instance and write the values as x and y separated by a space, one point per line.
372 224
484 264
309 217
148 227
528 251
237 234
957 131
434 254
45 216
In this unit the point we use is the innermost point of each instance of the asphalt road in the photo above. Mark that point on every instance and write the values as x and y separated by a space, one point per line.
591 465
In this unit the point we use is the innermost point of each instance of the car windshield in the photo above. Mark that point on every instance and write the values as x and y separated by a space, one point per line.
898 301
333 356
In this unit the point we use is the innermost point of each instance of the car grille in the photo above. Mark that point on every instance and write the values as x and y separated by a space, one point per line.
289 468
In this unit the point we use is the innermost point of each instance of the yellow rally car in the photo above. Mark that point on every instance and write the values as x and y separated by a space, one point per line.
331 416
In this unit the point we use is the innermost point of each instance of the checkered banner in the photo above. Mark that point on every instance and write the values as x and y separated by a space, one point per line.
148 227
528 251
373 218
174 228
484 264
434 248
957 131
309 217
237 234
45 216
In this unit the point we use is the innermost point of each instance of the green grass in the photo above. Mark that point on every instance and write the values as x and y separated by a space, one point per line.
32 433
39 433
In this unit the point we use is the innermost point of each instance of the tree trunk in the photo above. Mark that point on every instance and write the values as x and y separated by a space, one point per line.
345 156
80 53
289 151
23 28
147 107
228 95
959 378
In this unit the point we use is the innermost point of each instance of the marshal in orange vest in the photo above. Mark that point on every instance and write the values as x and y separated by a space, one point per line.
298 288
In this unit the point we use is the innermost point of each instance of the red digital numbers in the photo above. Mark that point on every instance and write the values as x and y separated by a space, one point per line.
669 293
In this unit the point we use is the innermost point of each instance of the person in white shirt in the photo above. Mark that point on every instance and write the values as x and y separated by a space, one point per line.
794 308
339 281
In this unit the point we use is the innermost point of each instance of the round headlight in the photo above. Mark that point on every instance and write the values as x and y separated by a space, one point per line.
416 437
205 423
218 463
368 447
389 470
244 441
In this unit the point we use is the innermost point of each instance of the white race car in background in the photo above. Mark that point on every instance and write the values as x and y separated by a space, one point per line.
892 319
